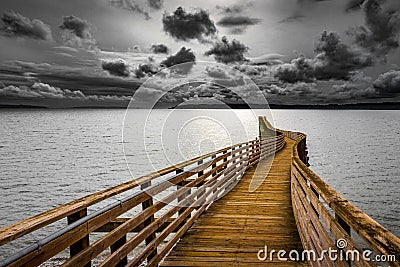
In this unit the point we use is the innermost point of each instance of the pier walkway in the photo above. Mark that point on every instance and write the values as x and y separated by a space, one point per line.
236 227
207 212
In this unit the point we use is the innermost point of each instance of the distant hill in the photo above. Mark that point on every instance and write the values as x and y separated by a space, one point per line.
372 106
21 106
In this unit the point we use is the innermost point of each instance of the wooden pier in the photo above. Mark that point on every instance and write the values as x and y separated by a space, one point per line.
204 212
235 227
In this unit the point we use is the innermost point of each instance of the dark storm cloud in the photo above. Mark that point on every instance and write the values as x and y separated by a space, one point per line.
185 26
358 86
237 24
182 56
216 72
90 80
116 68
388 83
228 52
236 21
159 49
300 69
76 25
40 90
354 5
16 25
42 94
238 8
380 34
76 32
291 19
156 4
334 60
300 89
146 70
348 91
224 77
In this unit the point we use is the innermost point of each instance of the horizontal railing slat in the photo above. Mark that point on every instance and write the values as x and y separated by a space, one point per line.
379 238
197 187
230 162
31 224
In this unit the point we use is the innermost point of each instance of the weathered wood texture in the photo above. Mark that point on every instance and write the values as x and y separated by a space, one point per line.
195 185
236 227
292 209
320 230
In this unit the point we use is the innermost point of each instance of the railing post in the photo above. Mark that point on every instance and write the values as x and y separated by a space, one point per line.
200 173
347 229
225 160
241 152
114 247
233 155
146 204
181 197
302 150
343 224
82 243
214 165
254 146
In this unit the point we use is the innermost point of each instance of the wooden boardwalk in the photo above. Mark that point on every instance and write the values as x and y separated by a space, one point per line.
236 227
292 209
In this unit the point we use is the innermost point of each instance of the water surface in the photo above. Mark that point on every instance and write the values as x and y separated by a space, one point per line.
50 157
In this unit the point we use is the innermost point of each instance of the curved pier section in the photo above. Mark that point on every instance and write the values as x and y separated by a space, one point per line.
202 213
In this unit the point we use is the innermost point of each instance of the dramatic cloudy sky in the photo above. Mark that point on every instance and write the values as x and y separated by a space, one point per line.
98 52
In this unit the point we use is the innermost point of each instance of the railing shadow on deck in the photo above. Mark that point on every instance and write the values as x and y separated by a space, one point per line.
197 182
326 220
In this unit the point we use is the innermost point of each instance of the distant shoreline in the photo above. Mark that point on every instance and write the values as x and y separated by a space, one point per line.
358 106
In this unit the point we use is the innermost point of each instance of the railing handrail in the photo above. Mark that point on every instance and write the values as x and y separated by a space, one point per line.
20 228
231 159
378 237
215 171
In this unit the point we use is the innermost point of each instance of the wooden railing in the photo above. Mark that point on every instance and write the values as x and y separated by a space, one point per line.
173 198
324 217
196 184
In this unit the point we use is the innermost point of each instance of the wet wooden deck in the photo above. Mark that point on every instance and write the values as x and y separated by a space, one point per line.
236 227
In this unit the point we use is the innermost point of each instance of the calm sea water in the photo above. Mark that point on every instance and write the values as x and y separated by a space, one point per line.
50 157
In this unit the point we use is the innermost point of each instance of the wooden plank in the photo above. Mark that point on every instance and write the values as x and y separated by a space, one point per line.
336 230
52 248
318 234
97 247
379 238
114 247
145 205
182 229
244 222
133 242
83 243
31 224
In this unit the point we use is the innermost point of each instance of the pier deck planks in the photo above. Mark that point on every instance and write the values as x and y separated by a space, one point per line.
234 228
